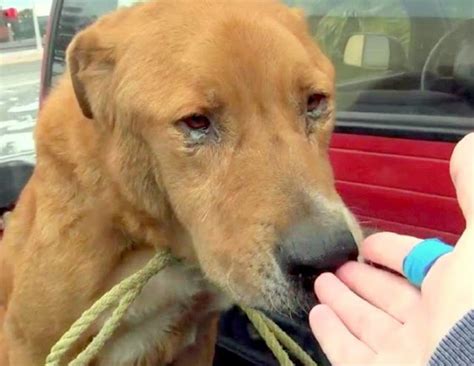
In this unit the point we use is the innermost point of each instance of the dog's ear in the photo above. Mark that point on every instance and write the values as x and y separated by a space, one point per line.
91 62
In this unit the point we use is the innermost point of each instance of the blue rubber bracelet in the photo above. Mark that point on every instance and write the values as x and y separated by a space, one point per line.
422 257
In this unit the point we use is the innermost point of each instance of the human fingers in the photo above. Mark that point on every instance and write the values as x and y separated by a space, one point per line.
385 290
388 249
462 174
338 343
368 323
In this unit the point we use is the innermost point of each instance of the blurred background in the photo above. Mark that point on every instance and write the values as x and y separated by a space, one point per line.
23 25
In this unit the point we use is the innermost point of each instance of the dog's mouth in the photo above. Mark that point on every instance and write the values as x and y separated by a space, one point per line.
303 292
294 299
304 278
300 295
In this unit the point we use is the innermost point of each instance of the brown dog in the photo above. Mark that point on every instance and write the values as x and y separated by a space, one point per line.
196 126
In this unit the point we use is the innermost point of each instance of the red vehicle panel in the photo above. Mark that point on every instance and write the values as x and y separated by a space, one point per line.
398 184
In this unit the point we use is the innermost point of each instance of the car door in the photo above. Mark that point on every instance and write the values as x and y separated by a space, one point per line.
393 140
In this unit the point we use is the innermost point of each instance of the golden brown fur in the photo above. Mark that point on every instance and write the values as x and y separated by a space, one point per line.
109 189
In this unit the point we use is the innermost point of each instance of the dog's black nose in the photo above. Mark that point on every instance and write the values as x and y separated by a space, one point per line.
307 249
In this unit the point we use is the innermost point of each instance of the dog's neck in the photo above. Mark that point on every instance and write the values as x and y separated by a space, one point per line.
116 234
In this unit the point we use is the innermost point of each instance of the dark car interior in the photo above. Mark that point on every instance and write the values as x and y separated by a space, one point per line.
443 85
15 175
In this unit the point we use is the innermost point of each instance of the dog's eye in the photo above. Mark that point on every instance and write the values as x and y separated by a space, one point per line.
197 122
316 105
197 128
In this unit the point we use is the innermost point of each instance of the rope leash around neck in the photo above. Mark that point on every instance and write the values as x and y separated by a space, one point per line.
276 338
125 292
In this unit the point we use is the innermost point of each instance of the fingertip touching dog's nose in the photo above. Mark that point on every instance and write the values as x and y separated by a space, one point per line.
306 250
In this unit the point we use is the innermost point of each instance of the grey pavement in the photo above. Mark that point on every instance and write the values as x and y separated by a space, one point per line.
20 56
19 102
13 46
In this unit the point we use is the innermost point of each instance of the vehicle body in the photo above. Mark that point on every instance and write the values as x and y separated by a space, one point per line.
6 15
401 111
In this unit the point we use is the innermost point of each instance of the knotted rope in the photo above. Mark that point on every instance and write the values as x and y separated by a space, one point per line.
124 293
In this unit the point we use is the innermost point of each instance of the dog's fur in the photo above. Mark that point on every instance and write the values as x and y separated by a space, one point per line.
118 176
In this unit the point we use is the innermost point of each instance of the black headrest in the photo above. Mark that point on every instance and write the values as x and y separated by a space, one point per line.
13 177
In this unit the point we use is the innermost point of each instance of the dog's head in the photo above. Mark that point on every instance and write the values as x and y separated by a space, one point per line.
220 115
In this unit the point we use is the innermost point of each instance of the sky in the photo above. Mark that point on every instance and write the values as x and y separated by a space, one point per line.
42 6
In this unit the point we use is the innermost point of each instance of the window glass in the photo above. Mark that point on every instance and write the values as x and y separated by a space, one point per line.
392 56
121 3
75 15
460 9
397 56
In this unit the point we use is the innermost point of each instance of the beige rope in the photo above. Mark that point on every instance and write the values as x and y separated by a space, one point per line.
125 292
282 337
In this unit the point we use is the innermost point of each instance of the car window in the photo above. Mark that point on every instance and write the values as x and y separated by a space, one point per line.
121 3
404 68
340 20
398 57
461 9
73 15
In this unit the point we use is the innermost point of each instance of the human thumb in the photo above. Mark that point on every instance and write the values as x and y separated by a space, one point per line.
462 174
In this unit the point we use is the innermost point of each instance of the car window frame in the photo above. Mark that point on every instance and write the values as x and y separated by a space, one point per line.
48 52
413 126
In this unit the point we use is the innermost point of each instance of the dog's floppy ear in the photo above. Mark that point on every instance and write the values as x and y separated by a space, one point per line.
91 63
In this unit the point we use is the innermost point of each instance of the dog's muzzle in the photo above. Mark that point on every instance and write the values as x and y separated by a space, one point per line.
307 249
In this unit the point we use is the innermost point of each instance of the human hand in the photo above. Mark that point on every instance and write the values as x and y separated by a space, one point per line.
370 316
